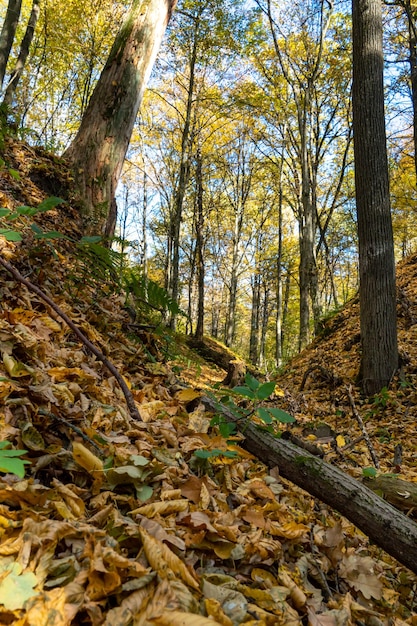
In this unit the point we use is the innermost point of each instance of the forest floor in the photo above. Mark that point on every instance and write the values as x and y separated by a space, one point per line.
116 520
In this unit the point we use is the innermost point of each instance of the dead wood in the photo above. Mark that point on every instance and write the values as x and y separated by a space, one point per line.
236 372
399 493
390 529
91 347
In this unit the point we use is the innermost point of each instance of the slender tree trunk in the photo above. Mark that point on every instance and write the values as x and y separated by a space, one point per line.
7 34
199 331
376 249
254 323
23 54
278 317
307 227
231 309
285 305
99 148
183 178
412 47
144 254
264 327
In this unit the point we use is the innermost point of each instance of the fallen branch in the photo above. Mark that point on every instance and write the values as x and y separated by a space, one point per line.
362 427
382 523
112 369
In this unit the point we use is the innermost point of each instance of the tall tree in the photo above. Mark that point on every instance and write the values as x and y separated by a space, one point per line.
7 34
23 53
376 248
99 148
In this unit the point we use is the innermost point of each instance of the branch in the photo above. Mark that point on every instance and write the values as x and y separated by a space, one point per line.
112 369
390 529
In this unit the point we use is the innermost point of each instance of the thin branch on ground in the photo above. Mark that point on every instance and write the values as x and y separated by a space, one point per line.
91 347
356 414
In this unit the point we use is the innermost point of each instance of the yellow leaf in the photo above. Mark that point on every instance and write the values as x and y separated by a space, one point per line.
279 392
178 618
340 441
164 561
161 508
86 459
149 410
187 395
14 368
214 610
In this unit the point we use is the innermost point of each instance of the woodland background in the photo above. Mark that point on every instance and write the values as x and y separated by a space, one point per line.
131 491
210 203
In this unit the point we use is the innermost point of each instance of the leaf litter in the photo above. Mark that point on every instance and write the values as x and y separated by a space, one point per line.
118 522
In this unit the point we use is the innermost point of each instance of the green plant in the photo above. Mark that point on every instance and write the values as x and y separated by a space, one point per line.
256 393
9 463
147 292
10 215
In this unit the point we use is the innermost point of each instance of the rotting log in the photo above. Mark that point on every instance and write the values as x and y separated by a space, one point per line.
236 371
385 525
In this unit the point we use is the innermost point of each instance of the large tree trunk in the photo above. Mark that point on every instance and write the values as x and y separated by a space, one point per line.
376 247
7 34
393 531
23 54
100 146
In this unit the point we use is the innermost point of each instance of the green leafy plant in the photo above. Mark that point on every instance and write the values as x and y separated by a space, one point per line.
369 472
9 461
256 393
147 292
10 215
216 452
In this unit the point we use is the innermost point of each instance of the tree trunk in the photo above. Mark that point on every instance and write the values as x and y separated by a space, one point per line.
23 54
99 148
383 524
278 318
376 248
264 328
254 322
199 331
7 34
183 176
412 47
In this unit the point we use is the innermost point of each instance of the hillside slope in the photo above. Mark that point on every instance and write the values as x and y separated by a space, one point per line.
116 520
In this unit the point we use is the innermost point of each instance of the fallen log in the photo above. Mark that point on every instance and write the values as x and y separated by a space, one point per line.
387 527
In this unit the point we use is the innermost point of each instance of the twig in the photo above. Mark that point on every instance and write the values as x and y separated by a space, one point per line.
77 430
362 427
112 369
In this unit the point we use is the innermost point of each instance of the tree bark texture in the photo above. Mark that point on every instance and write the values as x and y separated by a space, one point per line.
200 248
7 34
390 529
99 148
23 53
376 248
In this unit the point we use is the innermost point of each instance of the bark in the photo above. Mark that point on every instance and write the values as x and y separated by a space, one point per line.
376 248
412 47
7 34
199 332
23 53
99 148
264 328
382 523
236 373
183 176
279 299
254 323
